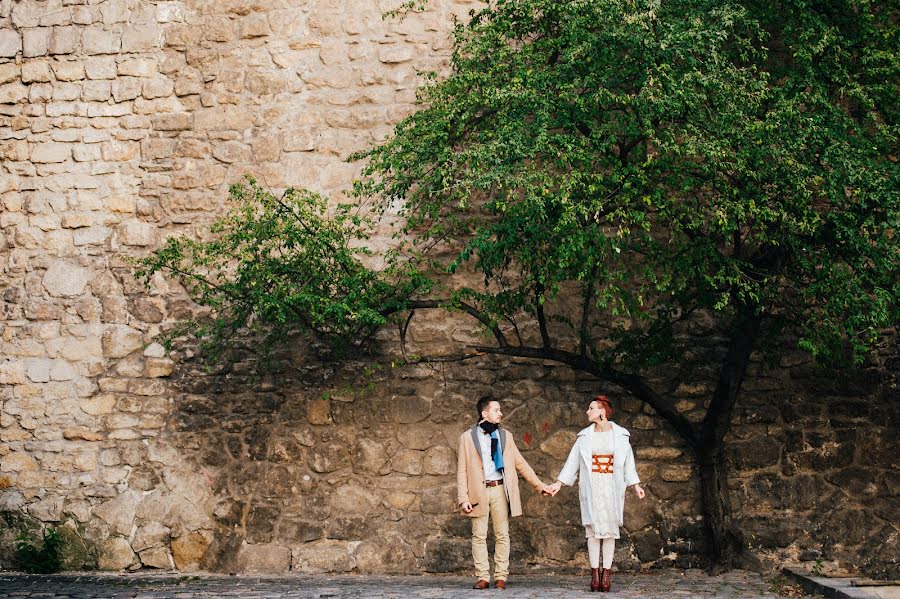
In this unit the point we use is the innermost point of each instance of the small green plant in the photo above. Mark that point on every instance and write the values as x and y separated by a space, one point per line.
817 567
43 559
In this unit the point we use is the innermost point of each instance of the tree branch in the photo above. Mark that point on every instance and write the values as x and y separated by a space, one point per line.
541 318
633 383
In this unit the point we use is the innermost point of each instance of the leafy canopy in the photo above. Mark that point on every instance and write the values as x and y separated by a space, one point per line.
650 159
276 266
667 157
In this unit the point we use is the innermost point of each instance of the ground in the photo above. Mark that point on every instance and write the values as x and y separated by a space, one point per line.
669 584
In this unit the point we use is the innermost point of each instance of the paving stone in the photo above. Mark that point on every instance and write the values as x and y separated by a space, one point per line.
665 584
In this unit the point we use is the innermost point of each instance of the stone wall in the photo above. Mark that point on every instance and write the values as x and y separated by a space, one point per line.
123 122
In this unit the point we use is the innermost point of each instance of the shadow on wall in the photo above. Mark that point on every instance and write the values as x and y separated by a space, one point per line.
310 475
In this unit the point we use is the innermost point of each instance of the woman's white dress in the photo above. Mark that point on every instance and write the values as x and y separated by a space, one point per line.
604 522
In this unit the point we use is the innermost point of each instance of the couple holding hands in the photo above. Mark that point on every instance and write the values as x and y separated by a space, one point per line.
488 487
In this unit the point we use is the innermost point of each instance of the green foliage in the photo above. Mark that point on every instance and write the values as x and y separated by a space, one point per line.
610 167
278 266
664 158
40 558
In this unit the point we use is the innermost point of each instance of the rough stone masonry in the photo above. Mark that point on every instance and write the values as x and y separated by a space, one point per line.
122 122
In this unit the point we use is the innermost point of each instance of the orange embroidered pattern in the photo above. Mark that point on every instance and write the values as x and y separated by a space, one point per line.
602 464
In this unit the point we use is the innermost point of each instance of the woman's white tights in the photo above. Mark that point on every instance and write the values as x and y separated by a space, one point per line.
609 548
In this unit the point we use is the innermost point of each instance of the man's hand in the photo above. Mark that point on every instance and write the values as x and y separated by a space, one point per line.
639 491
466 507
552 490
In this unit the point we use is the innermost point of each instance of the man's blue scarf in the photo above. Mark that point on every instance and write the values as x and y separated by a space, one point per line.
496 452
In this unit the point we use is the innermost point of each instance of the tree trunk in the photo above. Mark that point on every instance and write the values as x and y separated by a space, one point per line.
727 548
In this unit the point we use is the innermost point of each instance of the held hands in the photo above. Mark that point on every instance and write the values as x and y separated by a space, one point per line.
466 507
551 490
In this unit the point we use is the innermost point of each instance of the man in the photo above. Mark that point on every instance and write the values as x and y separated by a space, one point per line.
488 488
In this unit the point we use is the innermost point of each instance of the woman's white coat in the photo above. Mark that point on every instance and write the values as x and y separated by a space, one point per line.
578 466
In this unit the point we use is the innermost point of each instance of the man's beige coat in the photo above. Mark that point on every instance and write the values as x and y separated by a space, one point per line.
470 473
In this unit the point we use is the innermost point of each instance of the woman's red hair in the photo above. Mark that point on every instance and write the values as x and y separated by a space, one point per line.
603 401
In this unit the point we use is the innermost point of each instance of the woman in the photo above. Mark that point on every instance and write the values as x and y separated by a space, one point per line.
603 461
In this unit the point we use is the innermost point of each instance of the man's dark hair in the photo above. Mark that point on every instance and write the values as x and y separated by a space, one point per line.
482 405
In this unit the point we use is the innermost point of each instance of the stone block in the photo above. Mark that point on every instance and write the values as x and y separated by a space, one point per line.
395 53
35 71
81 15
266 148
38 369
136 233
318 411
114 11
323 556
81 434
126 88
172 121
119 513
64 40
96 91
145 37
14 150
151 534
35 42
48 509
121 340
158 88
369 456
352 499
98 405
188 550
232 151
13 93
409 409
83 153
62 371
440 460
96 40
559 444
100 67
254 25
18 462
264 558
12 372
676 473
658 453
65 92
300 140
329 457
169 11
10 71
138 67
63 278
407 461
10 43
222 118
91 235
120 151
157 557
115 554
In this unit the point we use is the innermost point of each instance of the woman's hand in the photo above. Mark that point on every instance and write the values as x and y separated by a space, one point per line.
639 491
553 489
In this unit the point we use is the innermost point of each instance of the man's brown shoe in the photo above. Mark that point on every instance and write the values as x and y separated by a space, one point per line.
481 584
499 584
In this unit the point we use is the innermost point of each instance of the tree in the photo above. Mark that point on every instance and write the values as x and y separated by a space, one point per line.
654 160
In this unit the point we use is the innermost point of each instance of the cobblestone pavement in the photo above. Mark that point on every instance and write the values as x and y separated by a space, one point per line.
671 584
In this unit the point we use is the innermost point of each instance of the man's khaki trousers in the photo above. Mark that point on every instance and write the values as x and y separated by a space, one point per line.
498 513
